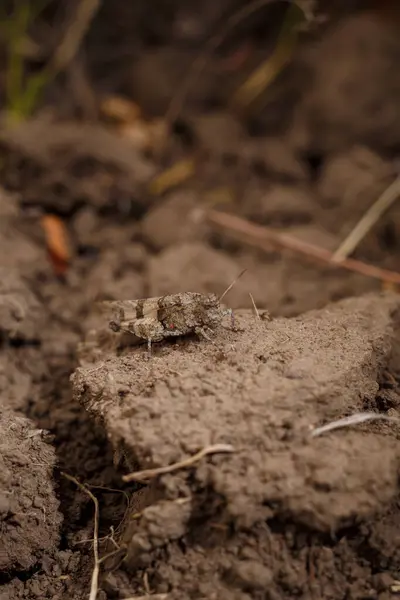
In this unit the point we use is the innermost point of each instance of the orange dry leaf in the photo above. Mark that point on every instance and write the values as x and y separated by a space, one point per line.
57 243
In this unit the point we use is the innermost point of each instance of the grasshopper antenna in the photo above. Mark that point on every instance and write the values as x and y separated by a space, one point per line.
230 286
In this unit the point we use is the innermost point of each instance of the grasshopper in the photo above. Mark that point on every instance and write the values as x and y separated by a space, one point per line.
158 318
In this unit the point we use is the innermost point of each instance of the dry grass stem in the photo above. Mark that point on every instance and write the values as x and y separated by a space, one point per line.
263 76
94 586
214 42
352 420
230 286
265 237
113 491
368 220
74 35
183 464
254 306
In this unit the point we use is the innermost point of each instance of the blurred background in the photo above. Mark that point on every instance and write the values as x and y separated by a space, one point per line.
142 142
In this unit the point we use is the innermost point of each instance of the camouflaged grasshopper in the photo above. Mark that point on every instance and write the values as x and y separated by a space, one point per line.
158 318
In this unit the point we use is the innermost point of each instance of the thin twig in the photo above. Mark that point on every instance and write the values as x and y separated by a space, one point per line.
352 420
112 491
254 306
146 584
187 462
94 586
109 536
110 554
230 286
74 34
368 220
265 237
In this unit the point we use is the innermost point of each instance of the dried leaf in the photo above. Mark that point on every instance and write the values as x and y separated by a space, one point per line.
146 135
57 242
177 174
120 109
395 587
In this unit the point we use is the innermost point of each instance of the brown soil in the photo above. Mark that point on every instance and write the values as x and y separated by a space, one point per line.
285 515
261 389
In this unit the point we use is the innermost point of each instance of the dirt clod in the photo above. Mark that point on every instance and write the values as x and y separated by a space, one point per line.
30 520
277 382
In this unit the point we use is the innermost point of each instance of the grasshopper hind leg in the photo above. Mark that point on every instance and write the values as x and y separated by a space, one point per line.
202 334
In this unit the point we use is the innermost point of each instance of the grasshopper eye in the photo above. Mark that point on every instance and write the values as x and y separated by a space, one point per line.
114 326
172 326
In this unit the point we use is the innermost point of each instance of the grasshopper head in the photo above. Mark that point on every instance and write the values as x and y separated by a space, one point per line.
115 326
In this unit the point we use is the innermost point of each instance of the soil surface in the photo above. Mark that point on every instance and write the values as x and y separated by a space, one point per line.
281 512
261 389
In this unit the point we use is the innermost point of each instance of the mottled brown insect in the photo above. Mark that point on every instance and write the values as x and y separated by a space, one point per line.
155 319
